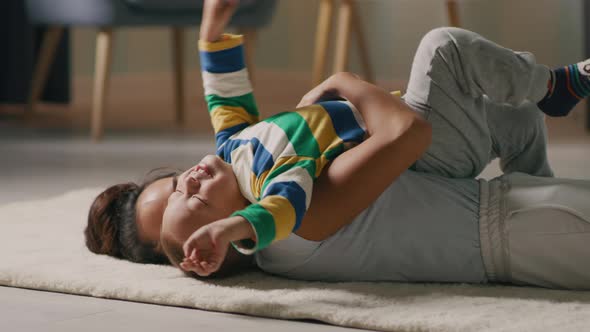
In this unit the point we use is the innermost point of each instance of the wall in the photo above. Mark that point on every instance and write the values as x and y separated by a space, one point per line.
552 29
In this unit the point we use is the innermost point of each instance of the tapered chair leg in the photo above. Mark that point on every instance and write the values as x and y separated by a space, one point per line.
178 64
324 25
343 35
48 47
102 69
357 27
250 39
453 12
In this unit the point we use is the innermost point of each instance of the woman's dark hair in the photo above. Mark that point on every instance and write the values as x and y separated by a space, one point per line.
112 228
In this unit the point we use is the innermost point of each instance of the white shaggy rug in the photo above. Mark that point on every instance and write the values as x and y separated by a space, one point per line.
42 247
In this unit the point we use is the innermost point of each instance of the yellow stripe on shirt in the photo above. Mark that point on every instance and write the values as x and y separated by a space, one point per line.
227 41
283 214
321 126
256 183
224 117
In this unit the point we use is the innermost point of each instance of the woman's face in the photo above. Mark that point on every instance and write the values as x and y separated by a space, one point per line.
150 207
200 195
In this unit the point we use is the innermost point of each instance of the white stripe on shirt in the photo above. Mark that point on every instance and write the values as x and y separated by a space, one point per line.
227 84
273 138
299 175
357 115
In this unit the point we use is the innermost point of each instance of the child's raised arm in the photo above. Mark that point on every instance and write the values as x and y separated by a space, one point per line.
216 15
228 91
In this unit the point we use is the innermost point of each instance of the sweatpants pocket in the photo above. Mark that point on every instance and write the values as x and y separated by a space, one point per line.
549 246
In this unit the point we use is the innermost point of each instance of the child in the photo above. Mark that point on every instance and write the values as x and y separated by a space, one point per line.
482 100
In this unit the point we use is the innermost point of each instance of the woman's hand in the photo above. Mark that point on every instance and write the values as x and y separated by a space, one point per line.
216 15
398 137
328 89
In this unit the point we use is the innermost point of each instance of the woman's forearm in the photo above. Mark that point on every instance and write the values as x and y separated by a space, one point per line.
377 106
357 177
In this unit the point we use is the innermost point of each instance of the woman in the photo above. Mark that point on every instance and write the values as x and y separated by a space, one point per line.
517 228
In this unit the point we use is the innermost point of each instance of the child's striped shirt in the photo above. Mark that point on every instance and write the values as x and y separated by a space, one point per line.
275 160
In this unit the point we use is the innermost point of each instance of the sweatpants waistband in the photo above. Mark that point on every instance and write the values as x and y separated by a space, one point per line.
494 246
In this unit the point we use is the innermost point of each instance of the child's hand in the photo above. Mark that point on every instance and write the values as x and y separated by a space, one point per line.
205 249
216 15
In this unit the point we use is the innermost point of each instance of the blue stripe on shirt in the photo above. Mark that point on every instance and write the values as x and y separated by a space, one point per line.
263 160
344 121
292 191
226 133
226 61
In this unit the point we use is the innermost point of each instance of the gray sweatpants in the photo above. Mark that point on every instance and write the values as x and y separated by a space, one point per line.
517 228
536 231
481 101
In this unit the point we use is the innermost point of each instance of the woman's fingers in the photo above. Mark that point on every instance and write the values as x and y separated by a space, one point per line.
304 103
317 94
307 100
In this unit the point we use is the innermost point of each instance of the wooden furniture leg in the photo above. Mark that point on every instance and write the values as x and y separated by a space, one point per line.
453 12
322 41
343 36
178 65
357 27
250 38
104 45
48 47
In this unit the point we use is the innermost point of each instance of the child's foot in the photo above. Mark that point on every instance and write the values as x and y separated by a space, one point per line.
567 86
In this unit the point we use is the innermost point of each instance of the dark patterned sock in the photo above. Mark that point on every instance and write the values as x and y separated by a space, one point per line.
567 86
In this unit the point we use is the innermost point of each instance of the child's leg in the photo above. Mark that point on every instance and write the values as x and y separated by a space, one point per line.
454 74
536 231
519 138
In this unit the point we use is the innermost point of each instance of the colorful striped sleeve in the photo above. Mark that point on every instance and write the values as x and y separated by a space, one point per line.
228 91
281 208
